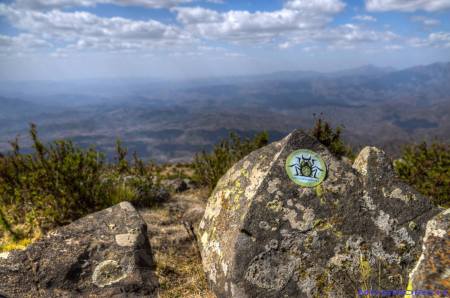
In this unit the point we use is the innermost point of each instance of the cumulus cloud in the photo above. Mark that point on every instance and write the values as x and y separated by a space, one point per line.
427 22
365 18
316 6
436 39
43 23
238 25
21 43
349 35
394 47
197 15
440 39
407 5
51 4
58 4
346 36
83 30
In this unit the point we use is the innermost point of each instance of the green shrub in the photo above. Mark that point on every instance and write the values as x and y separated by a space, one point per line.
59 183
133 182
331 138
209 167
427 168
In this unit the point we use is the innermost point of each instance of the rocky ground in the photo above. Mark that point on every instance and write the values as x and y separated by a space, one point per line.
171 230
330 241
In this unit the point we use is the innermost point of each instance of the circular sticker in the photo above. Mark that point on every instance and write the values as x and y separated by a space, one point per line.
306 168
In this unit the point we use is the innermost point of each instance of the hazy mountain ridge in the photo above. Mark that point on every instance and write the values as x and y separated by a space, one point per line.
167 122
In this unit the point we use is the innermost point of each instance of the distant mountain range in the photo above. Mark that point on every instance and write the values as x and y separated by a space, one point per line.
171 120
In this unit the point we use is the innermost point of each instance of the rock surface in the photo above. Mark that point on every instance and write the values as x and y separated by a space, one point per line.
432 271
105 254
262 235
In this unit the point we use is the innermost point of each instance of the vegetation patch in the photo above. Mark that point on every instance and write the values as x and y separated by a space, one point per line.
59 182
209 167
331 138
427 168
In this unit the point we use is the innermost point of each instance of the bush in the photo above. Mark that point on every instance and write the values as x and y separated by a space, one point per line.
133 182
427 168
331 138
59 183
209 167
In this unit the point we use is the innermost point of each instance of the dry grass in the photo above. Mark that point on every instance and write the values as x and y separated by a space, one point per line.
178 264
181 274
171 171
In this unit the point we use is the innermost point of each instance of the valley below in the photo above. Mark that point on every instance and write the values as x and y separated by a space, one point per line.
171 121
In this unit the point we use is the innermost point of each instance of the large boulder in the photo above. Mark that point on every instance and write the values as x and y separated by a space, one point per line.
105 254
262 235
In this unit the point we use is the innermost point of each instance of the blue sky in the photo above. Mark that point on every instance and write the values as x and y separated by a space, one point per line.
73 39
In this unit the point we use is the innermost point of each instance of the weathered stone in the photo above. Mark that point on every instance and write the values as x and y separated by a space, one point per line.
432 271
262 235
178 184
105 254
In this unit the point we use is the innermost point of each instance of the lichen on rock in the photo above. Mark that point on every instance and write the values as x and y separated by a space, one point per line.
107 273
265 236
432 271
105 254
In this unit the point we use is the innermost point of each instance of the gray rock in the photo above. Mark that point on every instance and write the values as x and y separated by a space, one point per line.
432 271
178 184
105 254
162 195
262 235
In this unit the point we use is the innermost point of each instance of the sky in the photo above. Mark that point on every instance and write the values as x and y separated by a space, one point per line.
84 39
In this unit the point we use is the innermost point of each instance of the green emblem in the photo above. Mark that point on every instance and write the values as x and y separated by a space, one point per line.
306 168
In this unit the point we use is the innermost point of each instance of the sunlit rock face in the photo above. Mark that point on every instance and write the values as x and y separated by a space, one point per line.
262 235
105 254
432 271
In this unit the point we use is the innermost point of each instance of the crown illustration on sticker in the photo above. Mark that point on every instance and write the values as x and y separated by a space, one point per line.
306 168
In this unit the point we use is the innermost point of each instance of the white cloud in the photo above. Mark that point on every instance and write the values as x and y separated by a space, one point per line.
316 6
57 4
208 51
238 25
83 30
51 4
407 5
21 43
440 39
285 45
394 47
428 22
436 39
347 36
297 22
234 55
365 18
197 15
